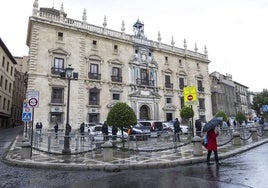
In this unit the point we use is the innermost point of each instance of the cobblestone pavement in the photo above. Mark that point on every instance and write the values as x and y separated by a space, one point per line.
158 152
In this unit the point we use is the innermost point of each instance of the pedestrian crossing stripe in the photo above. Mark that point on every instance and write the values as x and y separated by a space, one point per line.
26 116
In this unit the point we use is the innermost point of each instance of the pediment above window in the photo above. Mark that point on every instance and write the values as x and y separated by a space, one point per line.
95 57
115 61
59 51
170 107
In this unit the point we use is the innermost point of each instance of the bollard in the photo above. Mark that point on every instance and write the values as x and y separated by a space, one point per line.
254 134
197 148
236 139
48 143
107 151
265 129
26 150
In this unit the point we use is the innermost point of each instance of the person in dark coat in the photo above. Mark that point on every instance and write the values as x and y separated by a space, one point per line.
198 127
56 129
105 131
114 132
82 131
212 145
177 129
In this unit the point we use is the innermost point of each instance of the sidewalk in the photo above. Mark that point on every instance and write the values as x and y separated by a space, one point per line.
132 159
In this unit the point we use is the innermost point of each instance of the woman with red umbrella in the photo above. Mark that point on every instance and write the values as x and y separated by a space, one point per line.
212 145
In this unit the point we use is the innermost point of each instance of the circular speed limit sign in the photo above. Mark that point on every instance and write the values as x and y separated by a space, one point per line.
33 102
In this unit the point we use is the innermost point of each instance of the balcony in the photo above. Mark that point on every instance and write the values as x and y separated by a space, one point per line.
145 82
55 70
202 89
94 76
169 85
116 78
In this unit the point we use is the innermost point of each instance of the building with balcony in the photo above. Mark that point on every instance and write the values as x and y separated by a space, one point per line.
110 66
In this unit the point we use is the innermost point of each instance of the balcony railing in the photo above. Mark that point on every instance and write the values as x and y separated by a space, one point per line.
169 85
201 89
94 102
116 78
94 76
145 82
55 70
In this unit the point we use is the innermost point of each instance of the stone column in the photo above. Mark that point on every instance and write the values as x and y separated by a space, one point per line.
265 129
107 151
236 139
197 148
254 134
26 150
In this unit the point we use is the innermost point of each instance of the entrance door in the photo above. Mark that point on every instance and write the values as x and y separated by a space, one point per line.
169 116
144 112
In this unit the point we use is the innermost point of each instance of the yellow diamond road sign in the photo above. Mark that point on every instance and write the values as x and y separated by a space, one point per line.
190 96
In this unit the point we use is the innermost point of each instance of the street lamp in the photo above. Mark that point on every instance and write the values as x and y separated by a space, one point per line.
68 75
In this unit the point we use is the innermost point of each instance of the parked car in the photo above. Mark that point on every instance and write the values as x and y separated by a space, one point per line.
154 126
96 132
138 132
184 128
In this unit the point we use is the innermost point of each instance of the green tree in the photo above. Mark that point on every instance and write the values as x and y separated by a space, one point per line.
259 100
187 113
121 115
240 117
221 114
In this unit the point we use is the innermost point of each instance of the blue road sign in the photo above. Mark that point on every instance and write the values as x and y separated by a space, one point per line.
265 108
27 116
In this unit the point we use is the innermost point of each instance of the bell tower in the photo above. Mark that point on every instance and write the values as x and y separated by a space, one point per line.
138 29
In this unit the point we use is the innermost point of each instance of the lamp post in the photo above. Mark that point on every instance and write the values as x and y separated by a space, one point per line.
66 149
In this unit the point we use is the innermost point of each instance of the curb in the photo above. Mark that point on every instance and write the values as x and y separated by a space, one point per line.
118 167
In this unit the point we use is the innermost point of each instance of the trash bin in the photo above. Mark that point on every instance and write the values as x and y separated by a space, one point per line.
26 150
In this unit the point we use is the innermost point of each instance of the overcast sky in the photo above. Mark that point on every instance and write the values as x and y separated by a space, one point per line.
234 31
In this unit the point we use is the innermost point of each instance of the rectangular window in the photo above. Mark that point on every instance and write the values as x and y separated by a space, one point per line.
56 117
115 48
57 95
116 74
8 105
168 83
182 102
6 85
200 85
11 71
10 86
181 83
3 61
94 95
4 104
166 59
58 66
116 96
1 81
7 66
94 43
168 100
60 36
201 103
94 71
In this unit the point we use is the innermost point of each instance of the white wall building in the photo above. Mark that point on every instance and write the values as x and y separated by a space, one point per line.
112 66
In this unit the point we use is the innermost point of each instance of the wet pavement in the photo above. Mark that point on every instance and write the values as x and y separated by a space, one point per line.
161 152
245 170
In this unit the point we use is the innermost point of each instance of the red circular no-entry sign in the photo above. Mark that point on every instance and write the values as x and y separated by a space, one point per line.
190 97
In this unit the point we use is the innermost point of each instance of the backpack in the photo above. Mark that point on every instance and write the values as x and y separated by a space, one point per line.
205 140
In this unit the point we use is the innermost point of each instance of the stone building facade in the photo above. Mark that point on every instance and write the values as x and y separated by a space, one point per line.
109 66
7 71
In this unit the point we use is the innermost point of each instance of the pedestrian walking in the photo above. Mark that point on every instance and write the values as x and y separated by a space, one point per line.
198 127
56 129
177 129
212 145
82 131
